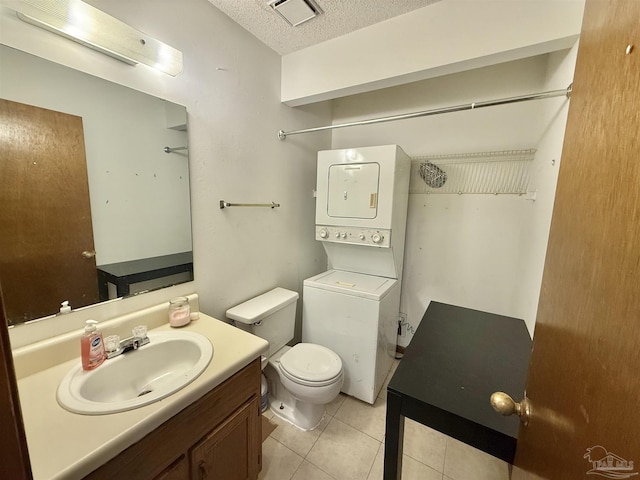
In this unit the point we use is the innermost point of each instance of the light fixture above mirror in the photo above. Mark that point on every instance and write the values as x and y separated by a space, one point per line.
93 28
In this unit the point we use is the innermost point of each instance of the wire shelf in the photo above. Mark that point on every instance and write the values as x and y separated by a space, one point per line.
505 172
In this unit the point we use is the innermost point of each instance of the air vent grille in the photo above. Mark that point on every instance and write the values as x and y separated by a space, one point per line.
296 12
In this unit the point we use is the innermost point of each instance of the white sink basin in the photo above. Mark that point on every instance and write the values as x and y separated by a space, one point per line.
168 363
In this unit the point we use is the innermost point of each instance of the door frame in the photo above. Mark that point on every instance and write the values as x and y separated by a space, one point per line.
14 456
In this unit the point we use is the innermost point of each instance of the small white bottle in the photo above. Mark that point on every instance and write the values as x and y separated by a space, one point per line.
65 307
91 346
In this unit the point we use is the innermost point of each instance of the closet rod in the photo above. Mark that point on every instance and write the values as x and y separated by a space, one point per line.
436 111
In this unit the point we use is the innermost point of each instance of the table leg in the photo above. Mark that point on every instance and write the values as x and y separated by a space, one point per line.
122 288
103 286
394 436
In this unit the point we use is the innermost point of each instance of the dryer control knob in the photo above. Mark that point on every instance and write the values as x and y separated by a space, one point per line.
324 233
343 235
361 236
337 235
377 238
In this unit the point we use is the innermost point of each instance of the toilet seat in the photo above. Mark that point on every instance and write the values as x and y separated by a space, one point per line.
310 364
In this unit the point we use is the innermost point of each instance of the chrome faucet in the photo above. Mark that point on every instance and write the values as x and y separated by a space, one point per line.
116 347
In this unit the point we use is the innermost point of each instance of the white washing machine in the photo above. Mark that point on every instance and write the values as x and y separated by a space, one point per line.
356 315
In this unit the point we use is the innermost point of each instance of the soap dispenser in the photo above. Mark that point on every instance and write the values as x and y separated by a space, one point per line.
91 346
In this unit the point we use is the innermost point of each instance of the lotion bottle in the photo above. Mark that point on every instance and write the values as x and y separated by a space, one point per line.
91 346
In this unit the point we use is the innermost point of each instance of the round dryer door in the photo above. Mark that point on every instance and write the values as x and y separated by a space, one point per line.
310 362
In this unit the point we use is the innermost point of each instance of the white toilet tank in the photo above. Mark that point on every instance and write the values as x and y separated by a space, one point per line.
271 316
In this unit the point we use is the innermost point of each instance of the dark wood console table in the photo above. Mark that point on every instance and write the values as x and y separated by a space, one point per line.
457 358
124 274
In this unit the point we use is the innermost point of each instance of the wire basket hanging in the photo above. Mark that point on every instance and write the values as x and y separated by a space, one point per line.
504 172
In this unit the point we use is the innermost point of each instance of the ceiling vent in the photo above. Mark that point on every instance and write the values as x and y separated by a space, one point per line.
296 11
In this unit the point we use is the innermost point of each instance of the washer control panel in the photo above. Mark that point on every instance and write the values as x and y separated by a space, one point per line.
358 236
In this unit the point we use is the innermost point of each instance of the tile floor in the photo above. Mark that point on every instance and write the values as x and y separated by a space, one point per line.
349 445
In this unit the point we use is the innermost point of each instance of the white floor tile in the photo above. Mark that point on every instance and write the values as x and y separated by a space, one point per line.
411 469
350 446
268 413
377 470
369 419
424 444
344 452
278 462
297 440
333 407
308 471
463 462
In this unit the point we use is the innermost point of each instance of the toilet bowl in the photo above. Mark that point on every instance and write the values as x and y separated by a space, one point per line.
301 379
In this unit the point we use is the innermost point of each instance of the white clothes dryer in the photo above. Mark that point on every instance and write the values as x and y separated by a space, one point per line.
361 208
355 315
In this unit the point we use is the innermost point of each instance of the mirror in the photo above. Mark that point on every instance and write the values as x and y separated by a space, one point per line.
135 207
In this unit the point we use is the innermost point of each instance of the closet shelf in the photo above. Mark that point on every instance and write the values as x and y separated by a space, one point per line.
504 172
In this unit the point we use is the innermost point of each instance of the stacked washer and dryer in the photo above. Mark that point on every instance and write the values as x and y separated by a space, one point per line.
361 212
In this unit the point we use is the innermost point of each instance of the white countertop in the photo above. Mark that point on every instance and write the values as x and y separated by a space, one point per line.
64 445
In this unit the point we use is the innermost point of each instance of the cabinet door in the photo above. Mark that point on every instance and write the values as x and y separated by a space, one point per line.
231 451
178 470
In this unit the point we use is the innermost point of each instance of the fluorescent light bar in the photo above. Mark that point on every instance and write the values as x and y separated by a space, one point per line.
93 28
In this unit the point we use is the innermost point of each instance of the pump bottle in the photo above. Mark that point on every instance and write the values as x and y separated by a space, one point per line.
91 346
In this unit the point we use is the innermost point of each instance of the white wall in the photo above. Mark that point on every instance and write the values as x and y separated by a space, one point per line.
442 38
139 194
471 250
231 88
544 177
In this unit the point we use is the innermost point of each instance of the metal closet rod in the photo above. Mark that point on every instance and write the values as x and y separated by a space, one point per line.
566 92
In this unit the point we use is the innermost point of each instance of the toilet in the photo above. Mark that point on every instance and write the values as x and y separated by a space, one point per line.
301 379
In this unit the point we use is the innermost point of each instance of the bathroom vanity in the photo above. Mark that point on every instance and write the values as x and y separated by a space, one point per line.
211 427
217 436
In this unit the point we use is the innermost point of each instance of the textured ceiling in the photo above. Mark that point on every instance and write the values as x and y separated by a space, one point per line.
338 18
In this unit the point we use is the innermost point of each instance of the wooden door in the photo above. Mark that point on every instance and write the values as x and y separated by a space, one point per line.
231 451
45 215
583 383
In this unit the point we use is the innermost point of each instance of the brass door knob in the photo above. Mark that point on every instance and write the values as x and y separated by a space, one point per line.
505 405
89 253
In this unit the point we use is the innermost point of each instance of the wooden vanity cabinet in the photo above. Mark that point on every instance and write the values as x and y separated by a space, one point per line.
178 470
216 437
226 452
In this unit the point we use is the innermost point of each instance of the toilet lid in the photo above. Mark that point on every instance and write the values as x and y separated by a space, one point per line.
310 362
